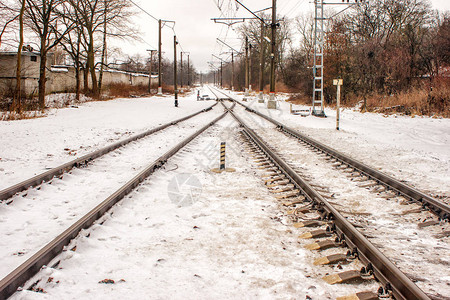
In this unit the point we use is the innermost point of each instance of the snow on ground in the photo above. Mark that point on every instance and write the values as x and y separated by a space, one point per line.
227 240
370 211
416 150
80 190
30 147
222 241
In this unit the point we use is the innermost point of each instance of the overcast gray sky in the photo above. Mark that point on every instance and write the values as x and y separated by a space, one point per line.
197 33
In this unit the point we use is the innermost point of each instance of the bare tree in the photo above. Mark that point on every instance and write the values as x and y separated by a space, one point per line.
252 29
43 20
104 46
93 15
305 27
16 105
72 44
9 13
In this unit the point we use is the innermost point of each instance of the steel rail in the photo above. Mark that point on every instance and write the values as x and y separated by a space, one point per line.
441 209
384 270
30 267
57 171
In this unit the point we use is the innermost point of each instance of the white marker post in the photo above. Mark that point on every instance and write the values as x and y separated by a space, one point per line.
338 83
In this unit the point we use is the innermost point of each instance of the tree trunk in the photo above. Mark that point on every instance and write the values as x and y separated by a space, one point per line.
100 79
77 82
16 105
91 67
42 79
86 80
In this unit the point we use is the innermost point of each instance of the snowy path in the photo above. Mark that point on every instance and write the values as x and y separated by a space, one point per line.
423 254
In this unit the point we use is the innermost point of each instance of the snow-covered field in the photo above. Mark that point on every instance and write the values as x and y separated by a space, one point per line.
225 238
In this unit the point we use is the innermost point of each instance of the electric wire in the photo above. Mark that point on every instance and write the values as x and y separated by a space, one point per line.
146 12
165 23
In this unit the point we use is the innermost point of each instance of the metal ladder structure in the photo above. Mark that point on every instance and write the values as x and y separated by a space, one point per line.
319 40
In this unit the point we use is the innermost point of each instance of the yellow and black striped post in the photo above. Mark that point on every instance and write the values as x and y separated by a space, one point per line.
222 167
222 156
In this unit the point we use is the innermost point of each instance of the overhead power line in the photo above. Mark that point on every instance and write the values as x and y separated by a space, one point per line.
146 12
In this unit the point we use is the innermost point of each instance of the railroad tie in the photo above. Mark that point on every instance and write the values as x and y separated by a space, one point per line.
428 223
327 195
264 163
412 211
315 234
367 185
323 245
287 188
353 175
308 223
298 210
274 179
378 189
295 201
287 195
361 179
332 259
360 296
344 277
268 166
270 174
278 183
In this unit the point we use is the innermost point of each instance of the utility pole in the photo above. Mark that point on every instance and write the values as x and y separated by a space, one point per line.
221 69
246 66
189 73
221 74
271 103
159 58
261 65
150 71
250 68
175 87
232 61
263 23
160 24
232 70
338 83
181 70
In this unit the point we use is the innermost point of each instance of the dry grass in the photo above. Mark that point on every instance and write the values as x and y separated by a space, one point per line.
417 101
169 89
123 90
280 87
13 116
299 99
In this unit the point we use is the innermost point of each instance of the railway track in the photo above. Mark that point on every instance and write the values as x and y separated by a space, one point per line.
85 159
285 179
309 206
32 265
55 205
396 187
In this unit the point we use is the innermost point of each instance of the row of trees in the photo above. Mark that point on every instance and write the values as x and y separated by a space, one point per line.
141 64
79 27
380 46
